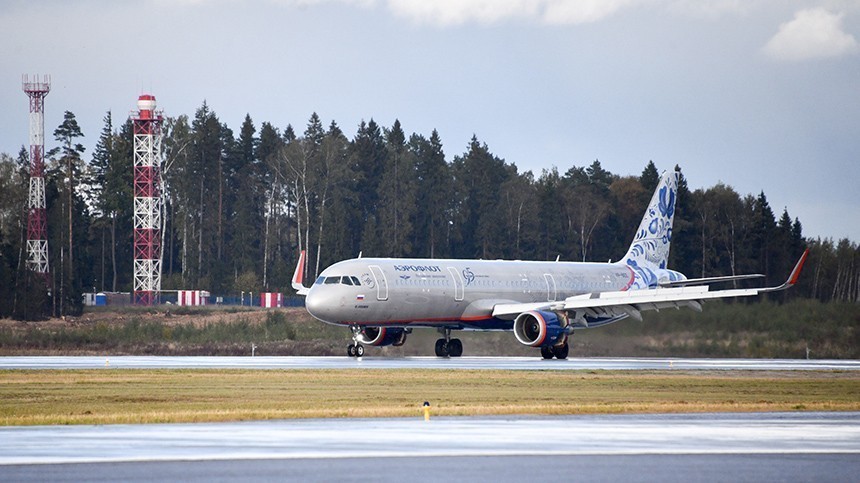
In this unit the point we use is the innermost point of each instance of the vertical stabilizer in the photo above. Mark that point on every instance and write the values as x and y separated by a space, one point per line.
299 276
650 248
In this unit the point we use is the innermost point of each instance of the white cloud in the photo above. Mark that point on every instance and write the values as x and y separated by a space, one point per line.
564 12
456 12
813 33
556 12
445 13
711 8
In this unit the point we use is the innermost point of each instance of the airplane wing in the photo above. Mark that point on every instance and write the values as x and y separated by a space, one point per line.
299 276
633 302
707 280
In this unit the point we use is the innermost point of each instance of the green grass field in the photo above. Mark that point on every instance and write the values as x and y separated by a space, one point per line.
110 396
756 330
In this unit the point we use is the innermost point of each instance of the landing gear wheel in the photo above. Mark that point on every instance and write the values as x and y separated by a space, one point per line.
455 348
350 350
359 350
442 348
561 351
546 352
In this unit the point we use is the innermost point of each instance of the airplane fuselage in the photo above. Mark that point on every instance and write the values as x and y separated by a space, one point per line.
450 293
381 299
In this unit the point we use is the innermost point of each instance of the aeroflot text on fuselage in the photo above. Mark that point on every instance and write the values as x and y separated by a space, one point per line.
417 268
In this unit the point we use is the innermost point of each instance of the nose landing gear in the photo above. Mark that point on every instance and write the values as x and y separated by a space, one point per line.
355 349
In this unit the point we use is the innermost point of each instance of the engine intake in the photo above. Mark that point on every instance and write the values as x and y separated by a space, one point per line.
537 328
382 336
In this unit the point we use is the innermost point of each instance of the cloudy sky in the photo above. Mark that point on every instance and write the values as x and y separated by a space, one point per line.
758 94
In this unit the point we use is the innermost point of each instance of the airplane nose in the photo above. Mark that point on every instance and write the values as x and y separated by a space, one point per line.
315 304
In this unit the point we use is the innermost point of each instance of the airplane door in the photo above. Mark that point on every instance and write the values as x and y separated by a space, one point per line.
459 290
381 282
551 293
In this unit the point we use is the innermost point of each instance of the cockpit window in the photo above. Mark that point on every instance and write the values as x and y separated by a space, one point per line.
343 280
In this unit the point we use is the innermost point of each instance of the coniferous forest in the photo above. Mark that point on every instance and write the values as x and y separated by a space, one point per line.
239 206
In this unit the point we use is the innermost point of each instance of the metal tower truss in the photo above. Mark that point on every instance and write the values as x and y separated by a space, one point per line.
37 221
147 201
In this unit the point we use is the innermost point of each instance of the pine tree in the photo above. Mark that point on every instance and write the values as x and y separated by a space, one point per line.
650 177
335 188
14 183
270 143
246 215
550 201
432 197
478 175
179 201
95 183
762 232
396 195
70 150
367 159
206 171
599 176
289 134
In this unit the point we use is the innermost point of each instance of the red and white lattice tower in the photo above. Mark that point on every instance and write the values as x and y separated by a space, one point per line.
37 220
147 201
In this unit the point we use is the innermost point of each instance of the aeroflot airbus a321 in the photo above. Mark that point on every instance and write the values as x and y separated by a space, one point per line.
382 299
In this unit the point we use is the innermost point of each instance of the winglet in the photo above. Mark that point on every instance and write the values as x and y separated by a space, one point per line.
795 274
299 276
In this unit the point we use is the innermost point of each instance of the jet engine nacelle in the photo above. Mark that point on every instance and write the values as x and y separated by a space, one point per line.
537 328
381 336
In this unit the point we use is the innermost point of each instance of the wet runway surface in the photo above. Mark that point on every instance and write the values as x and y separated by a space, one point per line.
689 447
671 448
472 363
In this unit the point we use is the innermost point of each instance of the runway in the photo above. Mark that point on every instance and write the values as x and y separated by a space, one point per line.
463 363
700 447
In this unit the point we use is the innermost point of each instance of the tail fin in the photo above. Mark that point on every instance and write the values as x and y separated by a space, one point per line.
299 276
650 248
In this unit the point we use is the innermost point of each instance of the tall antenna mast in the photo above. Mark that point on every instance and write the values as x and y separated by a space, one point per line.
37 220
147 124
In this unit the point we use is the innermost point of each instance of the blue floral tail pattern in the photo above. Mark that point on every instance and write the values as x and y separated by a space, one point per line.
650 248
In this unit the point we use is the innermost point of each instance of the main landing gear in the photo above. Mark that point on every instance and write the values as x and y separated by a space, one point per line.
448 347
355 349
559 351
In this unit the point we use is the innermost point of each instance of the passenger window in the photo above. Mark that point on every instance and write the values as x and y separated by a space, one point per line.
355 281
332 280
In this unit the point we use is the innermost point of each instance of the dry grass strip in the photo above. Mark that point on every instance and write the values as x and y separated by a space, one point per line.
112 396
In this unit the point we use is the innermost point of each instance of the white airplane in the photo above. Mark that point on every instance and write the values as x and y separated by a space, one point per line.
382 299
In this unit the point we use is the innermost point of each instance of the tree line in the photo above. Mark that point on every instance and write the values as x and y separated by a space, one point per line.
238 208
